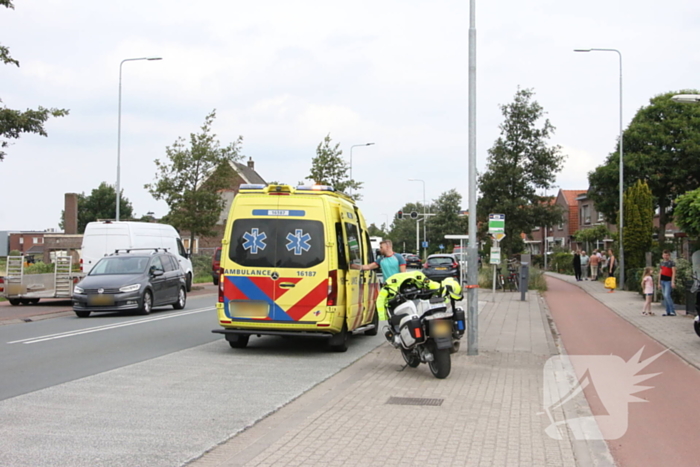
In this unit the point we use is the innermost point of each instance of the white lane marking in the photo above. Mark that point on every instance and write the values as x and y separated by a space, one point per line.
107 327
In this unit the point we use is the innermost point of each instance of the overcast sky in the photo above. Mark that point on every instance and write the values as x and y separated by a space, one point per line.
284 74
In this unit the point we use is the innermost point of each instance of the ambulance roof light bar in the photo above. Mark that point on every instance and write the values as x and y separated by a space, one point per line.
315 188
252 186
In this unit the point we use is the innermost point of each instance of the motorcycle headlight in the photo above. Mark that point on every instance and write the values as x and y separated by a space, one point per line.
77 289
130 288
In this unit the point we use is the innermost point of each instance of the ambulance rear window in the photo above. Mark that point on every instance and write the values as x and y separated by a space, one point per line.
277 243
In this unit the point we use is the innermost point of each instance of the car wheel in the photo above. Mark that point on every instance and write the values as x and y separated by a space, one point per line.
339 342
375 321
181 299
188 282
237 341
83 314
147 304
15 301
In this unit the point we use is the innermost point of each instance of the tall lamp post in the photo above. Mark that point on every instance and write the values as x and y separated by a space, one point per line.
119 125
622 214
354 146
425 218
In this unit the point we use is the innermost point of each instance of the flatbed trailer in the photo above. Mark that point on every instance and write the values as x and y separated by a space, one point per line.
27 289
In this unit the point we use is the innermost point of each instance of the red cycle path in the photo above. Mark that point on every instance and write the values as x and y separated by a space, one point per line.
665 430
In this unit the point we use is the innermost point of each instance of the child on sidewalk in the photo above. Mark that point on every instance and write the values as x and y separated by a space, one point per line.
648 289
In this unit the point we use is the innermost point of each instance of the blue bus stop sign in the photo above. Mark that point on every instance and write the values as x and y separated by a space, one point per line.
424 245
442 247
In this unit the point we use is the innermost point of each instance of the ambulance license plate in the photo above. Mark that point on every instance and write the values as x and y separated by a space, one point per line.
248 309
100 300
442 328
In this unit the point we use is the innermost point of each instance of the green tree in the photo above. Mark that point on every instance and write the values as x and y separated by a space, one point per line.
446 221
15 122
592 236
519 164
190 179
661 147
639 223
329 168
100 204
375 231
687 213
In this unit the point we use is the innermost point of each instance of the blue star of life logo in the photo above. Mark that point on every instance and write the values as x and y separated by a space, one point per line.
298 241
254 241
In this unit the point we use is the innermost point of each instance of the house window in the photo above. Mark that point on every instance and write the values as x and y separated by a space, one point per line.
561 226
586 215
21 240
36 240
601 218
535 229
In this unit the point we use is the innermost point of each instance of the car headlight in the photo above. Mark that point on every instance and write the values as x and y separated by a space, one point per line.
130 288
77 289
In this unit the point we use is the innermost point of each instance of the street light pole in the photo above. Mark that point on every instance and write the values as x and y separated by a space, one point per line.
425 218
621 208
473 252
119 126
354 146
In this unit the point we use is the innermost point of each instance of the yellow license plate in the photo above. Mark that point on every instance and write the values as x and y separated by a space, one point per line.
442 328
100 300
441 269
247 309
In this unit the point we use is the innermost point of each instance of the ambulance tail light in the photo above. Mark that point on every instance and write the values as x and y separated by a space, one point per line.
332 288
221 288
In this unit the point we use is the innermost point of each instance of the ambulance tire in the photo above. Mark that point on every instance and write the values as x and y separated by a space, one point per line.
237 341
339 342
375 322
188 282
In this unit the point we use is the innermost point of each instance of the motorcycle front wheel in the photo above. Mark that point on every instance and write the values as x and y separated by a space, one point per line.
410 357
442 364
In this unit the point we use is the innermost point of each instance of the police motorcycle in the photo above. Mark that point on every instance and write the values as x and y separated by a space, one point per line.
423 321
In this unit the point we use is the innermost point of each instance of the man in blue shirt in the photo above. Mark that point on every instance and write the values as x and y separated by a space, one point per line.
391 263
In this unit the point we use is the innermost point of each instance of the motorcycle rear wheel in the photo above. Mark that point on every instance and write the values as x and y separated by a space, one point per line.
411 358
442 364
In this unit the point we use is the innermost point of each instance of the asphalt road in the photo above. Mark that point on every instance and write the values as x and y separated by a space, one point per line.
157 390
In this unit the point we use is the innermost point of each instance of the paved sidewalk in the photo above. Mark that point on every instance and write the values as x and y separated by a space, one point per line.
491 411
675 332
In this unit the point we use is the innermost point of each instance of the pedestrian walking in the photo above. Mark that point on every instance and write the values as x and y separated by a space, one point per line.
584 265
594 261
648 290
577 264
667 282
612 265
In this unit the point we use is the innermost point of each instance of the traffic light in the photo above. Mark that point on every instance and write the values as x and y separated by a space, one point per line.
399 215
414 215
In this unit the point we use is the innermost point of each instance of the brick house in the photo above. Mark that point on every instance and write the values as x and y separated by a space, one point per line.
564 232
27 243
589 217
237 174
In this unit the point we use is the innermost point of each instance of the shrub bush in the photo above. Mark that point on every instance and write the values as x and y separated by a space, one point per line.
562 262
40 268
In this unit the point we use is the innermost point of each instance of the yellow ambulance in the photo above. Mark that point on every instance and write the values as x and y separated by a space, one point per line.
290 266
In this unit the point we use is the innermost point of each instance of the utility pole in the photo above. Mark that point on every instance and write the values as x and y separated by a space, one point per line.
473 275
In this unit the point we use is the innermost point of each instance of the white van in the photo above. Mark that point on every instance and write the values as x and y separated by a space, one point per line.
102 238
